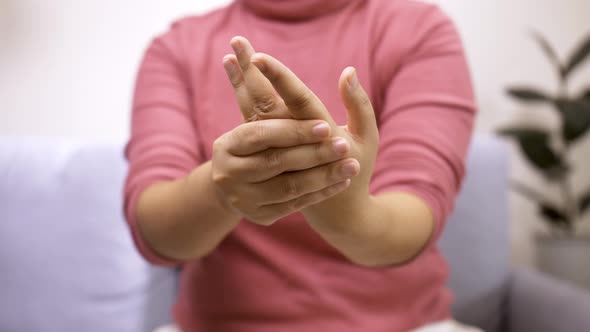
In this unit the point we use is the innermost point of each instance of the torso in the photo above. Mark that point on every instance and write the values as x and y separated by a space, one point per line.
285 277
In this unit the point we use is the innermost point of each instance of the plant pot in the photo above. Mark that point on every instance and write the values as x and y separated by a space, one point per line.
565 258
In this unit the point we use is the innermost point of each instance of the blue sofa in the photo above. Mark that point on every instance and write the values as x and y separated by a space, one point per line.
67 262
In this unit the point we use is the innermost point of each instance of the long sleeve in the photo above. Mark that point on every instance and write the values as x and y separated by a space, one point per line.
426 116
164 144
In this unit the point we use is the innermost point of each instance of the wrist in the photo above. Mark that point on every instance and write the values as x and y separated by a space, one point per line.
202 176
360 231
347 214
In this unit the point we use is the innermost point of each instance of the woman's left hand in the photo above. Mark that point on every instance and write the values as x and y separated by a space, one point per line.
255 78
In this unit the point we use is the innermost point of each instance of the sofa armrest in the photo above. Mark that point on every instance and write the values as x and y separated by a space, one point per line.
540 303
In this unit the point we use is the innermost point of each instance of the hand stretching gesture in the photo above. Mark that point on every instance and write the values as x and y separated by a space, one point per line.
255 77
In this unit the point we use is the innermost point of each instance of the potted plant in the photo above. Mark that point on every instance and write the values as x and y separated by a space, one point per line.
564 252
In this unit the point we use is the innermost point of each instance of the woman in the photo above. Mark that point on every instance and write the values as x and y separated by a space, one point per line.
281 219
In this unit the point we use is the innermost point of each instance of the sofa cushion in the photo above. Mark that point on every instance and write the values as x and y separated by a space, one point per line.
476 241
67 260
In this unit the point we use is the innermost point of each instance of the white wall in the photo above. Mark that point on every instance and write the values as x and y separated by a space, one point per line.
497 38
67 66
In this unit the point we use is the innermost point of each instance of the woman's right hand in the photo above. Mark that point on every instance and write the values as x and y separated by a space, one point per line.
268 169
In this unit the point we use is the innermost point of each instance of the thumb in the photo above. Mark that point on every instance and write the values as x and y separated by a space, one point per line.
361 117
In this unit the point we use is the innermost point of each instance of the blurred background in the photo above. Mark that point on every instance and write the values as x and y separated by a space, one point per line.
67 70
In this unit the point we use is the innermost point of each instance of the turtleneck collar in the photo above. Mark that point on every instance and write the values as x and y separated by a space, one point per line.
294 9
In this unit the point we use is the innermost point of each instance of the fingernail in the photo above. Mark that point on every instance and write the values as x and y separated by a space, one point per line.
321 130
340 146
351 168
353 81
232 71
229 66
237 46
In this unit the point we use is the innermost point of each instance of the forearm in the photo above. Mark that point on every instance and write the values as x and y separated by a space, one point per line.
183 219
383 230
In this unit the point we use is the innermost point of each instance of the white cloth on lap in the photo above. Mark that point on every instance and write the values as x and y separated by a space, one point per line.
446 326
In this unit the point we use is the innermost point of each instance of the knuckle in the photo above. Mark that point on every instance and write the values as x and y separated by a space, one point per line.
272 159
251 134
299 131
219 178
234 201
291 187
250 115
295 204
264 104
301 101
237 135
259 132
318 152
332 173
234 170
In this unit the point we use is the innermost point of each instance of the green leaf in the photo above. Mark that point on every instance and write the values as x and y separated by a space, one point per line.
534 144
584 203
556 217
575 114
578 57
549 52
528 94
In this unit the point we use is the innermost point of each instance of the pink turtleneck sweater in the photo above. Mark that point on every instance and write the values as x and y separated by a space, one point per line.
285 277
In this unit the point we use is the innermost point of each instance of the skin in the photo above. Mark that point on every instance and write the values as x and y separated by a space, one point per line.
288 156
